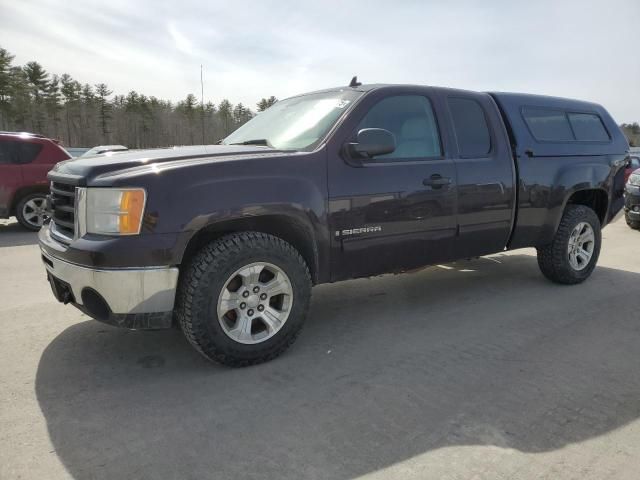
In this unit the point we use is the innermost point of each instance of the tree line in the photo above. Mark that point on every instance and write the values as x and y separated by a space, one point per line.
61 107
632 131
78 114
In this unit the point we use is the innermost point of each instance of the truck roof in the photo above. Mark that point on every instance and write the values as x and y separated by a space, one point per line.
512 107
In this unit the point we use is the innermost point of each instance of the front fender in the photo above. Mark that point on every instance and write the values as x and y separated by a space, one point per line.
295 221
245 195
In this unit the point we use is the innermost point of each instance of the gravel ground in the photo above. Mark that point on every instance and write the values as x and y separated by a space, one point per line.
475 370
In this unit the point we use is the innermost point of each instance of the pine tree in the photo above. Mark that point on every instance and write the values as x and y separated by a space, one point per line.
53 105
104 110
38 82
5 87
225 111
266 103
21 103
70 90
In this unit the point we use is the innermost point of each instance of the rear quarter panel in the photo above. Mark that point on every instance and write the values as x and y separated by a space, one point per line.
547 184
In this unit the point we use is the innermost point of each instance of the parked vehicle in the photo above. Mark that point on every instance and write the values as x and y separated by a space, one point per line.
632 200
100 149
634 164
25 159
77 151
227 240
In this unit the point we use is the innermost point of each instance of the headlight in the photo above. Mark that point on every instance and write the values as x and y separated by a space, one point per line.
112 211
634 180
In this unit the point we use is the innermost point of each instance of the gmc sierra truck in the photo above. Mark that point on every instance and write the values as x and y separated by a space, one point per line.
227 240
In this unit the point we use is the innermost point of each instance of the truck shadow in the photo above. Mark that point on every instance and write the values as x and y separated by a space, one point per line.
484 352
14 235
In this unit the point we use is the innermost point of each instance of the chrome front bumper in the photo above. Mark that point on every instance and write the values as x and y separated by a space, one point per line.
129 292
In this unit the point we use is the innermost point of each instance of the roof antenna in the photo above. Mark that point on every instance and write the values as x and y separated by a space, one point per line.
355 82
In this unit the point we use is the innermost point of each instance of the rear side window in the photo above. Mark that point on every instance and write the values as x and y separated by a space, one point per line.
12 152
472 131
588 127
548 125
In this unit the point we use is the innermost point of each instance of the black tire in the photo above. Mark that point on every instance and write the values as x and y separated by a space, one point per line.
20 210
633 224
204 279
553 259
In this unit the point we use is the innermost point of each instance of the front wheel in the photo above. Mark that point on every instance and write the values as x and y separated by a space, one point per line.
632 223
572 255
31 211
244 298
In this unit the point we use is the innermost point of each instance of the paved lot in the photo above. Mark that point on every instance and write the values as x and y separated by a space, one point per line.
479 369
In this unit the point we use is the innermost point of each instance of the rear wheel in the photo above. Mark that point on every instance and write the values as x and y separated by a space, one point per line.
31 211
243 299
572 255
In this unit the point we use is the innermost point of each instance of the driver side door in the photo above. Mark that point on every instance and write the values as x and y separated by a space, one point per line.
396 211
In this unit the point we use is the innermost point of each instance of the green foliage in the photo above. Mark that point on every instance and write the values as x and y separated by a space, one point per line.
266 103
83 115
104 110
632 132
5 78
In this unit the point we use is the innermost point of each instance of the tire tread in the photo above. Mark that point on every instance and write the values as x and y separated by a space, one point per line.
211 257
553 259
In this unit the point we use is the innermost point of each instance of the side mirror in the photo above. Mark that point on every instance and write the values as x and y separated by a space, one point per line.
372 142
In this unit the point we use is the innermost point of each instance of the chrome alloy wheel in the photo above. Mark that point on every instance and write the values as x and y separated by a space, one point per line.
255 303
581 246
34 211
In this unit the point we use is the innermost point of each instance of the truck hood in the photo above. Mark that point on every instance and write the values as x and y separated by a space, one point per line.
79 170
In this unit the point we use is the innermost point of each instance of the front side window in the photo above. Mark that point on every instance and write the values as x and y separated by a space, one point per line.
588 127
548 125
296 123
411 120
470 124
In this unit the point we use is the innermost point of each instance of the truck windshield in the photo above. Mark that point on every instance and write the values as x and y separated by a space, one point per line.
296 123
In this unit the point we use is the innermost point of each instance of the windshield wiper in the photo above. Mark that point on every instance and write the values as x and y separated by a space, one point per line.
256 141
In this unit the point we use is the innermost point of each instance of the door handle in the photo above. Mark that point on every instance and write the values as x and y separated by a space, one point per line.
436 181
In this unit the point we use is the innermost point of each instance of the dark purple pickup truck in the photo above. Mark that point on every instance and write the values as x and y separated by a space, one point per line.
227 240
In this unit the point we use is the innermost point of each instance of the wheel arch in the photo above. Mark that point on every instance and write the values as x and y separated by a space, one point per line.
23 192
597 199
587 182
290 229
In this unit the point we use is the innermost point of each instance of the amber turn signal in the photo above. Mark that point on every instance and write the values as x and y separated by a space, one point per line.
131 210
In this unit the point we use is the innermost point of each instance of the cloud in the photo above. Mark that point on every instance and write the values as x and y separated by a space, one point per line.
181 42
249 49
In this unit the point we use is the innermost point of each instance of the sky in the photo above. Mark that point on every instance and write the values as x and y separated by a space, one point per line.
581 49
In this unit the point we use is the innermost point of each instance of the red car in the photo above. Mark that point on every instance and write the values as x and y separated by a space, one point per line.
634 165
25 160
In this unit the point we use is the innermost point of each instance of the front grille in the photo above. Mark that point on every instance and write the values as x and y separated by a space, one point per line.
62 204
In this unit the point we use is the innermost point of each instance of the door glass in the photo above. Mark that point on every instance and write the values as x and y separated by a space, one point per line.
18 152
8 153
411 120
470 126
